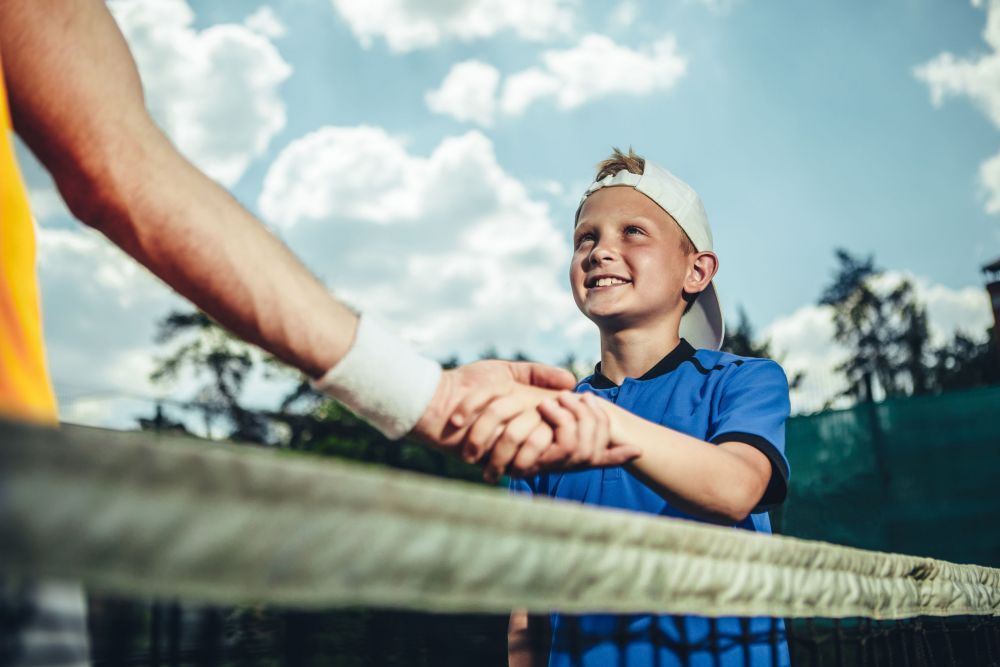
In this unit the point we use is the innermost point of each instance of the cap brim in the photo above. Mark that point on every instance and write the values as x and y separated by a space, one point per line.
703 326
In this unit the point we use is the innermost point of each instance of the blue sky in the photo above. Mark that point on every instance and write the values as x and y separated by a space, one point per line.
425 160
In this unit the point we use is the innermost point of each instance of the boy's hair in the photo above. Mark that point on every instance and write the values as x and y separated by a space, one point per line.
631 162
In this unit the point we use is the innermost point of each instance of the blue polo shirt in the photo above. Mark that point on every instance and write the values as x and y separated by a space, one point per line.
716 397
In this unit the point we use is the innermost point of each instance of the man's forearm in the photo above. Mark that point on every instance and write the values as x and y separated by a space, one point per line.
200 241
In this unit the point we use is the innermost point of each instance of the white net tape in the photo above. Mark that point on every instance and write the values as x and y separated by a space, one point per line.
139 514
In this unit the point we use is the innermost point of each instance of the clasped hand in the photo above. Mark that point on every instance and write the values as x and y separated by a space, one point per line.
519 418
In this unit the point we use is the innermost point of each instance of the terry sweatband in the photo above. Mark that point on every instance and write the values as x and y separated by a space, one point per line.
382 380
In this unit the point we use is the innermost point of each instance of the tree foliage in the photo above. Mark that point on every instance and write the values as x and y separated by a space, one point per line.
962 363
884 327
220 364
743 340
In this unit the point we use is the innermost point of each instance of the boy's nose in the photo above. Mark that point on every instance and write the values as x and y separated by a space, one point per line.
600 254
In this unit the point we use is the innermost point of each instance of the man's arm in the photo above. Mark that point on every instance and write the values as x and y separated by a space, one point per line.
77 101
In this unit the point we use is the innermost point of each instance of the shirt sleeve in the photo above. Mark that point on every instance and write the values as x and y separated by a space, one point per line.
752 407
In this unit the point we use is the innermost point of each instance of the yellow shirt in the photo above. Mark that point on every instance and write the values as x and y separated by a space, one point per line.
25 390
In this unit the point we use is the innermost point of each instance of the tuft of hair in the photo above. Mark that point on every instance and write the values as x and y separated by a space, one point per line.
619 161
636 164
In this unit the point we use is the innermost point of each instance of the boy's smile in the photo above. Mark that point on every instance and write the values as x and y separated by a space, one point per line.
602 282
628 264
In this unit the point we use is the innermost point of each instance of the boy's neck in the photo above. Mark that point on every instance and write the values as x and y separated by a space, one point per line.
632 352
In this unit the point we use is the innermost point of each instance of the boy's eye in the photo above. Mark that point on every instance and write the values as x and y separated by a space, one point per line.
584 238
632 229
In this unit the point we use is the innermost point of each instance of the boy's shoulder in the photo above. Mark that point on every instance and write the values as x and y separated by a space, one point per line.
729 366
696 367
709 360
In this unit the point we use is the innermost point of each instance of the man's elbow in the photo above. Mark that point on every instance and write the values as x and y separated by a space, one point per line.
103 185
93 192
88 204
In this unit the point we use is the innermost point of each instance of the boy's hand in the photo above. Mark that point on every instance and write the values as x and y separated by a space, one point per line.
529 430
505 426
582 435
464 391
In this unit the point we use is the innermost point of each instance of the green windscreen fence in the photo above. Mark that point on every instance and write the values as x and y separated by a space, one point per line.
918 475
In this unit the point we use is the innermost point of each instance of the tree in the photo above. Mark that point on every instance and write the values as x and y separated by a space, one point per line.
741 339
304 419
220 362
161 423
963 363
913 338
885 331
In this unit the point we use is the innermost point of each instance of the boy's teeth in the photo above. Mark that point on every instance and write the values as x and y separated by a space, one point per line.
608 282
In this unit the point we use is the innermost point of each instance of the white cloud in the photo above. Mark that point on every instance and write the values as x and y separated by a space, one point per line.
977 79
468 93
949 310
624 14
214 91
265 22
356 172
449 248
552 188
989 177
414 24
522 89
596 67
804 340
100 309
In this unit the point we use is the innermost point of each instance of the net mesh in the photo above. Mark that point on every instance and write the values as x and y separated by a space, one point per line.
250 533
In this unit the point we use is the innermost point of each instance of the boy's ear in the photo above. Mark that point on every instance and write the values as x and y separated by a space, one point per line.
703 268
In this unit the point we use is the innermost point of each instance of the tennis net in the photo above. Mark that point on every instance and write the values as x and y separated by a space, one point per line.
270 543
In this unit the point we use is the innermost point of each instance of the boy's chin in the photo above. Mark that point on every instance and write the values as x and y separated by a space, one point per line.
610 322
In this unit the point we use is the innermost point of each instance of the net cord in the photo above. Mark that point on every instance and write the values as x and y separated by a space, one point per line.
162 516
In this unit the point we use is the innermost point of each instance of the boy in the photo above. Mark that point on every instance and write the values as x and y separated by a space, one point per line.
709 425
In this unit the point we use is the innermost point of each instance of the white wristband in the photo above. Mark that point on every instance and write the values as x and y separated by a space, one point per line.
382 380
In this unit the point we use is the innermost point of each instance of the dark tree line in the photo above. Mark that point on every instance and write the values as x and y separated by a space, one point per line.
200 350
886 333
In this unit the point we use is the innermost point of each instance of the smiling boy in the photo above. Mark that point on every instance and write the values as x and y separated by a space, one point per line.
709 425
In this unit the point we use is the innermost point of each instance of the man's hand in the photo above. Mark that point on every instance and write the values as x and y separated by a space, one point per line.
463 392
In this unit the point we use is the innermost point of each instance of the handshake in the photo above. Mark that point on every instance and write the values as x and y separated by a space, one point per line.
519 418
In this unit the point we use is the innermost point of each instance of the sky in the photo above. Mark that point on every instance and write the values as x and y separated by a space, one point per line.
425 160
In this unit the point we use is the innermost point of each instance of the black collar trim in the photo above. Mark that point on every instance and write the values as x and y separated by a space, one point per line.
674 358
